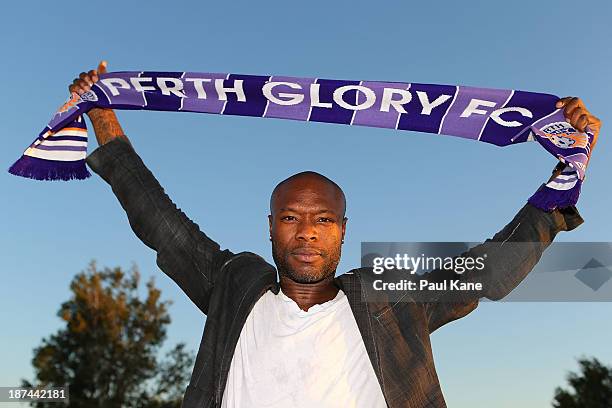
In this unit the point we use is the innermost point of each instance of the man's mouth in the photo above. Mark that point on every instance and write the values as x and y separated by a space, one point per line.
306 254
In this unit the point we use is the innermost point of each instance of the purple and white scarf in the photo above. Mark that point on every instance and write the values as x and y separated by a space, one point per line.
500 117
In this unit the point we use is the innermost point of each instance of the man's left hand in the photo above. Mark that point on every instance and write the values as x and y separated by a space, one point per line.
579 116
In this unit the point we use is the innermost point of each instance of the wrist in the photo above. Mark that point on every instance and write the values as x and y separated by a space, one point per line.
97 115
106 125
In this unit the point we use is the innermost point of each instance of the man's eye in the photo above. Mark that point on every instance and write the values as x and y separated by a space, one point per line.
324 219
288 218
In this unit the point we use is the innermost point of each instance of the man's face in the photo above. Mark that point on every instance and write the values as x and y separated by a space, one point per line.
307 226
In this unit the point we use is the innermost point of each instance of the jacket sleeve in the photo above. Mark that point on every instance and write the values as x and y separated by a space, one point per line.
184 252
510 255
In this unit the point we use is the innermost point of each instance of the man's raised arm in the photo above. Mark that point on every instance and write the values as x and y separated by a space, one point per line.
508 256
184 252
514 251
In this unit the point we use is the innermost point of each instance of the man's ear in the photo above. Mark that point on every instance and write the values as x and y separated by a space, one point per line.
270 224
344 220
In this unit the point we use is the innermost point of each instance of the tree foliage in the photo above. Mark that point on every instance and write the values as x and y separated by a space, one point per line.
590 388
107 352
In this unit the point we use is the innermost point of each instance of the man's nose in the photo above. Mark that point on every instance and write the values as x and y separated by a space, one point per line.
306 231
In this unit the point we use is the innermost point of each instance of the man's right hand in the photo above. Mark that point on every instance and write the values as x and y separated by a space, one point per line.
105 123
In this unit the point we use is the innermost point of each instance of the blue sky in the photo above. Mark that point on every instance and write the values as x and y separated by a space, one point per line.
221 170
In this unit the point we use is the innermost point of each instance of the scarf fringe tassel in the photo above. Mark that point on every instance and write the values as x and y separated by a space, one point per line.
41 169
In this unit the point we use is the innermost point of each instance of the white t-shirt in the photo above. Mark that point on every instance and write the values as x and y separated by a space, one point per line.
286 357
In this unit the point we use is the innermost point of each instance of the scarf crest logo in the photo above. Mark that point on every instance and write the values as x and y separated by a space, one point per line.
75 100
564 136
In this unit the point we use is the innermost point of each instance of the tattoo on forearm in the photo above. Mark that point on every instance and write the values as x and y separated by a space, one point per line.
106 125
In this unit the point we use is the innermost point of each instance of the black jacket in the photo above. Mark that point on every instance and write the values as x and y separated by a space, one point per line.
225 286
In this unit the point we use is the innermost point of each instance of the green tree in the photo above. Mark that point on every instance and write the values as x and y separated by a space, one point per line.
107 353
590 388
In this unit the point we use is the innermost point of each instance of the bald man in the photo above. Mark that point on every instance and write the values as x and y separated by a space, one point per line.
307 339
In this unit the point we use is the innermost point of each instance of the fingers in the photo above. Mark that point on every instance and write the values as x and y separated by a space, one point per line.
576 113
595 125
571 106
86 80
87 77
582 122
79 85
102 67
579 116
561 102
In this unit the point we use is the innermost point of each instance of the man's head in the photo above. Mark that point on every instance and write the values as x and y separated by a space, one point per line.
307 226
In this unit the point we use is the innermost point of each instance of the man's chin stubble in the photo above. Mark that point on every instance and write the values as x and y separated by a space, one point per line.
303 278
282 265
